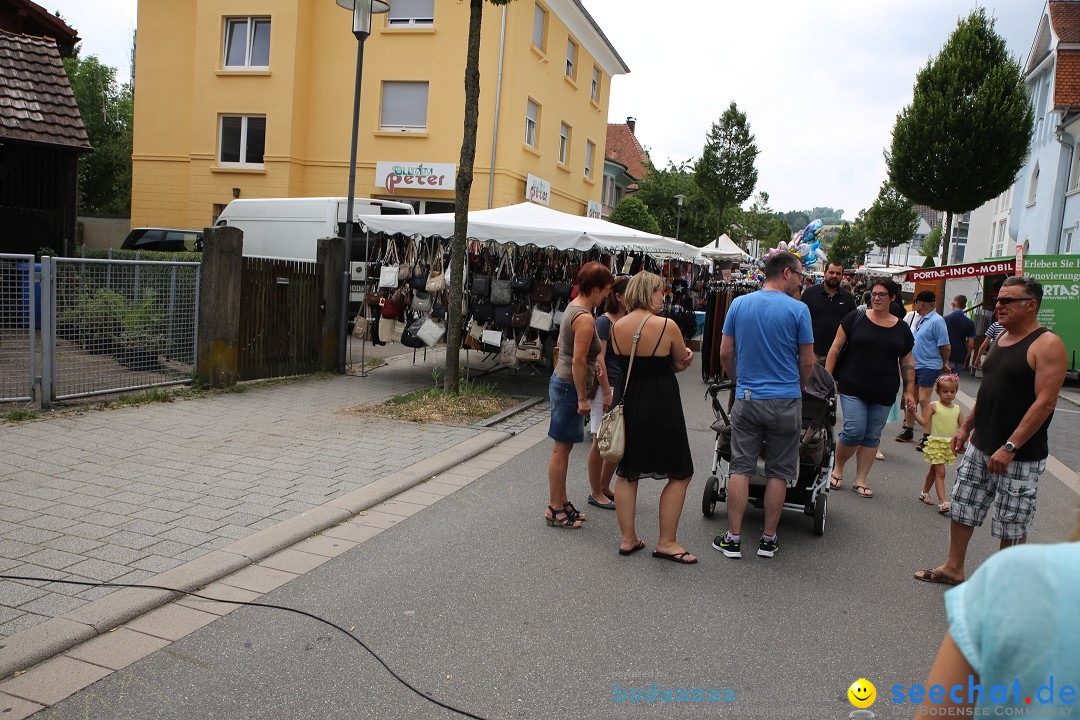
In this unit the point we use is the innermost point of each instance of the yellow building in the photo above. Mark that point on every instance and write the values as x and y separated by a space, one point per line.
253 98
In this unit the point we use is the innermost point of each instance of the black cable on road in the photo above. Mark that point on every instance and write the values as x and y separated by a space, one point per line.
373 654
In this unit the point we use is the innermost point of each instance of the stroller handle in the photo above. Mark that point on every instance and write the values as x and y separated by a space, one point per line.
720 387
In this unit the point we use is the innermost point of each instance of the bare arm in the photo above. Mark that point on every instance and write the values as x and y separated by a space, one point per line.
950 668
806 363
834 350
681 356
924 420
583 335
959 441
727 356
945 350
1047 355
981 352
907 371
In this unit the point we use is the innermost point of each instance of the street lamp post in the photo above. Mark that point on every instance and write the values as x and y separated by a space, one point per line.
678 213
362 11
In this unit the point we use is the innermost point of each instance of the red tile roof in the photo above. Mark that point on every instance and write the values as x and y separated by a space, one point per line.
1065 17
1067 78
623 147
36 102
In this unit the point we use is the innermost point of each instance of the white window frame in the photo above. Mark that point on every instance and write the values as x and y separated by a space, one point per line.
595 90
565 133
540 14
420 20
249 42
571 58
1068 242
402 127
244 119
1033 184
532 124
590 153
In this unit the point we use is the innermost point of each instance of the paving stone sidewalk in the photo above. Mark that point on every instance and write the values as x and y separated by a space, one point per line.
122 495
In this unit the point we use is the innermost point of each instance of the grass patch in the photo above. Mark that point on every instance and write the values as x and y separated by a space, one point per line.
475 402
19 415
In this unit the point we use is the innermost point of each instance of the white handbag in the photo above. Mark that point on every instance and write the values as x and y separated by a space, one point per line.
556 319
388 273
431 332
541 320
611 435
492 338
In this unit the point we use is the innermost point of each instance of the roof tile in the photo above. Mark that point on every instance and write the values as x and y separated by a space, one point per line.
623 147
1065 17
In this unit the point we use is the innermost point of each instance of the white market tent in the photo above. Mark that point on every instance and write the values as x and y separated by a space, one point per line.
527 223
723 248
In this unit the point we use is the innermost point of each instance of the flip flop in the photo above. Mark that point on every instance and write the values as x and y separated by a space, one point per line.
932 576
863 491
607 506
631 551
835 482
677 557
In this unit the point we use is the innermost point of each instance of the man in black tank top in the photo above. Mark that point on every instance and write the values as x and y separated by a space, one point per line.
1022 377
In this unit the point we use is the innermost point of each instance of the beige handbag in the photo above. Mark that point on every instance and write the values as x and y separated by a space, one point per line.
611 436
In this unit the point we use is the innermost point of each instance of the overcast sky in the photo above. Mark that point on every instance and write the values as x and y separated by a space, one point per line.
821 82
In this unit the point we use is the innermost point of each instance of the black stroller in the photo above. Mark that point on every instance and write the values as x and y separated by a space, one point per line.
816 453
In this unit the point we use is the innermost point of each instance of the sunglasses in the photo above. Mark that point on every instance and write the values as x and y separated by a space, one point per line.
1010 300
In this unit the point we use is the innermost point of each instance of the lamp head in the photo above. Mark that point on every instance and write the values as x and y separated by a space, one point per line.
362 11
679 199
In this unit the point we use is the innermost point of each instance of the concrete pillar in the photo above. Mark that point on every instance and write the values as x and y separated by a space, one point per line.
219 306
330 261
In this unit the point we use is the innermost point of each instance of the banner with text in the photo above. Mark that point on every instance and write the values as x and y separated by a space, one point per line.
415 176
537 190
948 272
594 209
1060 309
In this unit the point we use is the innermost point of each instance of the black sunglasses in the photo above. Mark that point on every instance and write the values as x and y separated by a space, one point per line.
1010 300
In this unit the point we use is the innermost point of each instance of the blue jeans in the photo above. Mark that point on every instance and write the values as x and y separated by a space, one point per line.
863 422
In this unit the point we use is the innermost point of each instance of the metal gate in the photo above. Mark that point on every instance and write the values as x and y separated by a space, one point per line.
116 325
280 322
18 321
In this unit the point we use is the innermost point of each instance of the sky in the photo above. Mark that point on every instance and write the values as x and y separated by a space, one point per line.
821 82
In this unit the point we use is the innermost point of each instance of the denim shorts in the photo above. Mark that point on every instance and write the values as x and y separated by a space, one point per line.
566 425
927 377
863 422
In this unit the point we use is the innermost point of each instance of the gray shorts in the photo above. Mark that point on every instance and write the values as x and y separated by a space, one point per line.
776 422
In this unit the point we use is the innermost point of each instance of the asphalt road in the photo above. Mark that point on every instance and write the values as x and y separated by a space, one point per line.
479 603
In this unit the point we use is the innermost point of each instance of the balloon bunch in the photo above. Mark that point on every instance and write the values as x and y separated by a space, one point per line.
808 245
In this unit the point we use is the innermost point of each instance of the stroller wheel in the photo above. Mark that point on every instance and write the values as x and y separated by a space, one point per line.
820 510
708 500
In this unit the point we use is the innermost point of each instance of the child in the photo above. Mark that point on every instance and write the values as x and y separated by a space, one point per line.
941 422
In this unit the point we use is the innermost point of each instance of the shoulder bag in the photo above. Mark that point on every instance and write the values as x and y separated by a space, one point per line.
388 273
611 436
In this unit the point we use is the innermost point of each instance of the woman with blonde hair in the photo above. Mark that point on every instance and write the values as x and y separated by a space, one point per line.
656 442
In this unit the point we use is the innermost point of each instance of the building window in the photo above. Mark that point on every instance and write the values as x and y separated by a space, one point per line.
564 143
1033 186
571 58
595 92
243 139
539 27
1074 171
590 150
247 42
1068 242
404 106
532 119
411 13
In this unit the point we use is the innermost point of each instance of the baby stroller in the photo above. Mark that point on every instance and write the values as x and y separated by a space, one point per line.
816 453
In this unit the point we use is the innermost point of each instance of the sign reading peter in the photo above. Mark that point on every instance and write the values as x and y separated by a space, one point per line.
415 176
537 190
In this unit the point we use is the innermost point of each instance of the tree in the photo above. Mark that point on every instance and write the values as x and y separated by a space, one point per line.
462 193
851 244
891 220
725 171
631 212
658 190
931 246
965 135
106 109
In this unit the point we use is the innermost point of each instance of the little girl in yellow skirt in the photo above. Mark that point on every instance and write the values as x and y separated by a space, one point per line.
943 418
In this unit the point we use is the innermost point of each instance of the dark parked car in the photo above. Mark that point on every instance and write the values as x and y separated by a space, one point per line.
164 240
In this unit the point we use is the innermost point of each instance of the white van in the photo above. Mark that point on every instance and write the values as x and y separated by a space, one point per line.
291 227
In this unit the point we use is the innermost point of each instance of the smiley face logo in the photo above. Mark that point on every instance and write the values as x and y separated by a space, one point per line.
862 693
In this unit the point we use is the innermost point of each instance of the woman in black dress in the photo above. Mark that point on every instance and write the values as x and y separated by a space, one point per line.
656 443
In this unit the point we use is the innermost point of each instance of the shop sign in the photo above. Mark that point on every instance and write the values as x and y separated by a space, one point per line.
594 209
1060 309
1019 259
537 190
949 272
415 176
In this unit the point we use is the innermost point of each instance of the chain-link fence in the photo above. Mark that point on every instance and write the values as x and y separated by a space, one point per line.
19 317
116 325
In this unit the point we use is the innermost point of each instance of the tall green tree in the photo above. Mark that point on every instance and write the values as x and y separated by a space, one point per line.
696 222
107 109
462 193
725 172
851 244
631 212
891 220
931 246
965 135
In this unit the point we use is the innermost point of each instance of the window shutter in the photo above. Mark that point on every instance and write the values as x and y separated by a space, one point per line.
404 105
412 10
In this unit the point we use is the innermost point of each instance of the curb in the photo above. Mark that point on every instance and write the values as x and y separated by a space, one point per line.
60 634
520 407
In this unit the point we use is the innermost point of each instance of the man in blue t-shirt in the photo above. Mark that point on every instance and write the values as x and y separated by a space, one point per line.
961 334
931 354
768 350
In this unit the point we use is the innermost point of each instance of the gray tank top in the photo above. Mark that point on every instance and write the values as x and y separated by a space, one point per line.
564 370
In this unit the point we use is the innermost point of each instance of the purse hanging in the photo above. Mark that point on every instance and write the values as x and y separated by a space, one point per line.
611 435
388 273
436 281
431 332
501 293
541 320
405 270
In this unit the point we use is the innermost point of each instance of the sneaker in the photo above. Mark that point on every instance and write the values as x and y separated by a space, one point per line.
766 548
726 545
922 443
908 435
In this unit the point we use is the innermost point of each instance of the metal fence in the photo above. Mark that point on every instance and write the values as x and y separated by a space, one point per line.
18 320
116 325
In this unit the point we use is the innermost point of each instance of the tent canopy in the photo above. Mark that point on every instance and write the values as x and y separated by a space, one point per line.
530 224
723 248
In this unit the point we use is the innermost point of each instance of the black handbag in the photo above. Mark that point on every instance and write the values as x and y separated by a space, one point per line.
409 338
504 316
481 285
561 290
484 313
521 283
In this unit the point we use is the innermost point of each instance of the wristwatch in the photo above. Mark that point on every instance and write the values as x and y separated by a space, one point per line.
1010 447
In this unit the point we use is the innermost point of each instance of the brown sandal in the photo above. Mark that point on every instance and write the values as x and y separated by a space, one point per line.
863 491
